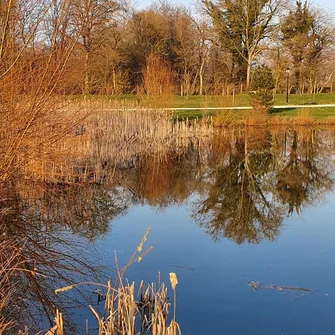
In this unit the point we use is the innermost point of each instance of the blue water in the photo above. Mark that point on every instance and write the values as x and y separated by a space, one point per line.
252 205
213 295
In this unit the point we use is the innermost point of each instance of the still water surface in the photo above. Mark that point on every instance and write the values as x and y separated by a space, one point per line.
254 206
262 213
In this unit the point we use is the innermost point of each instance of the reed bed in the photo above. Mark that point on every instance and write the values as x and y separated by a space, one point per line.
128 313
78 141
108 139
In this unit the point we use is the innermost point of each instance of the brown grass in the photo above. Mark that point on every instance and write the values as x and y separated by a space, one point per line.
254 118
124 313
11 264
80 150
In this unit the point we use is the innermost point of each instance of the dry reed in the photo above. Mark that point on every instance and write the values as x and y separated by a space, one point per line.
123 313
107 138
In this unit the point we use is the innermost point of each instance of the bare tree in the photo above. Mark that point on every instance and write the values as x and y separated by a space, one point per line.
91 19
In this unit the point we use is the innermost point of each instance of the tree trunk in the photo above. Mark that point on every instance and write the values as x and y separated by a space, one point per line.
201 78
248 73
86 74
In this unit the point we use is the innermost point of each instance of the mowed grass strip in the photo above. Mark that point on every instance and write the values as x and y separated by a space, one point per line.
241 100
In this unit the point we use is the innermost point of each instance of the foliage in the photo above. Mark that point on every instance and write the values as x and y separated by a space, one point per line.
262 85
305 36
157 81
262 78
110 44
242 26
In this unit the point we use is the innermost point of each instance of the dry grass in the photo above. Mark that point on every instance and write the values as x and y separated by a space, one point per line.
11 264
81 150
328 121
128 314
225 119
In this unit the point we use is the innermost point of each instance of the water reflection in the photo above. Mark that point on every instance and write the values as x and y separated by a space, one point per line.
304 172
44 234
265 175
246 180
236 204
163 180
242 183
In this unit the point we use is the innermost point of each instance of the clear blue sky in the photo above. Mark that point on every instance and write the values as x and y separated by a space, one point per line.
324 4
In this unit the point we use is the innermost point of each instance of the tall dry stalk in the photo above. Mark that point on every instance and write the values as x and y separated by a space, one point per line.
124 313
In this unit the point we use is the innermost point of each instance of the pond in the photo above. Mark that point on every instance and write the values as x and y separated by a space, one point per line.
245 221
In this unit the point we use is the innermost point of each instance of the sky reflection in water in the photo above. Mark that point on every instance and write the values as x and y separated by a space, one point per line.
253 205
283 235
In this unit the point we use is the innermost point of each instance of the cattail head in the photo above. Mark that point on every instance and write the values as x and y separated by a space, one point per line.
173 280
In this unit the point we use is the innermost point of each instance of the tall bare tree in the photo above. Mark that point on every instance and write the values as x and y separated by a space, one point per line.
92 18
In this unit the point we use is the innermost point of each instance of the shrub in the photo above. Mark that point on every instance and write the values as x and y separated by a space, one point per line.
262 89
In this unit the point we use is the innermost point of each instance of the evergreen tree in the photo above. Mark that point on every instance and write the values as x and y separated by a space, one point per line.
305 38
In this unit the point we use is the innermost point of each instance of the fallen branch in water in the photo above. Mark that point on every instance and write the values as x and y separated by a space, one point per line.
180 267
256 286
303 295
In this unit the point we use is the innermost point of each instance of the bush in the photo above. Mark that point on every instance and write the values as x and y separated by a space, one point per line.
262 89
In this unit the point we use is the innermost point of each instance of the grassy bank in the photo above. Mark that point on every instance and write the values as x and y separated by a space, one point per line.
224 101
197 101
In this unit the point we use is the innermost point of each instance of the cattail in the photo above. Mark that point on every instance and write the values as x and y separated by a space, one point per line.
64 289
173 280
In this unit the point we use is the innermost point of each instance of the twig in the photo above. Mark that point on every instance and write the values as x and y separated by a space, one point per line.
180 267
303 295
256 285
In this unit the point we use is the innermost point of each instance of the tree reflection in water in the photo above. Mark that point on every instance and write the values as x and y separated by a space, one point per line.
262 178
304 175
47 230
245 182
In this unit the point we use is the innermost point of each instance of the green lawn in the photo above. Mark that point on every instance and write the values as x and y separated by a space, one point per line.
315 113
197 101
243 100
230 101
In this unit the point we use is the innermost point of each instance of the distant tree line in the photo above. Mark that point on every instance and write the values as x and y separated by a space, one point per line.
107 47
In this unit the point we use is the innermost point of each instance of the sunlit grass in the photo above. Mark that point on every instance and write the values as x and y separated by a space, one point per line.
241 100
197 101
